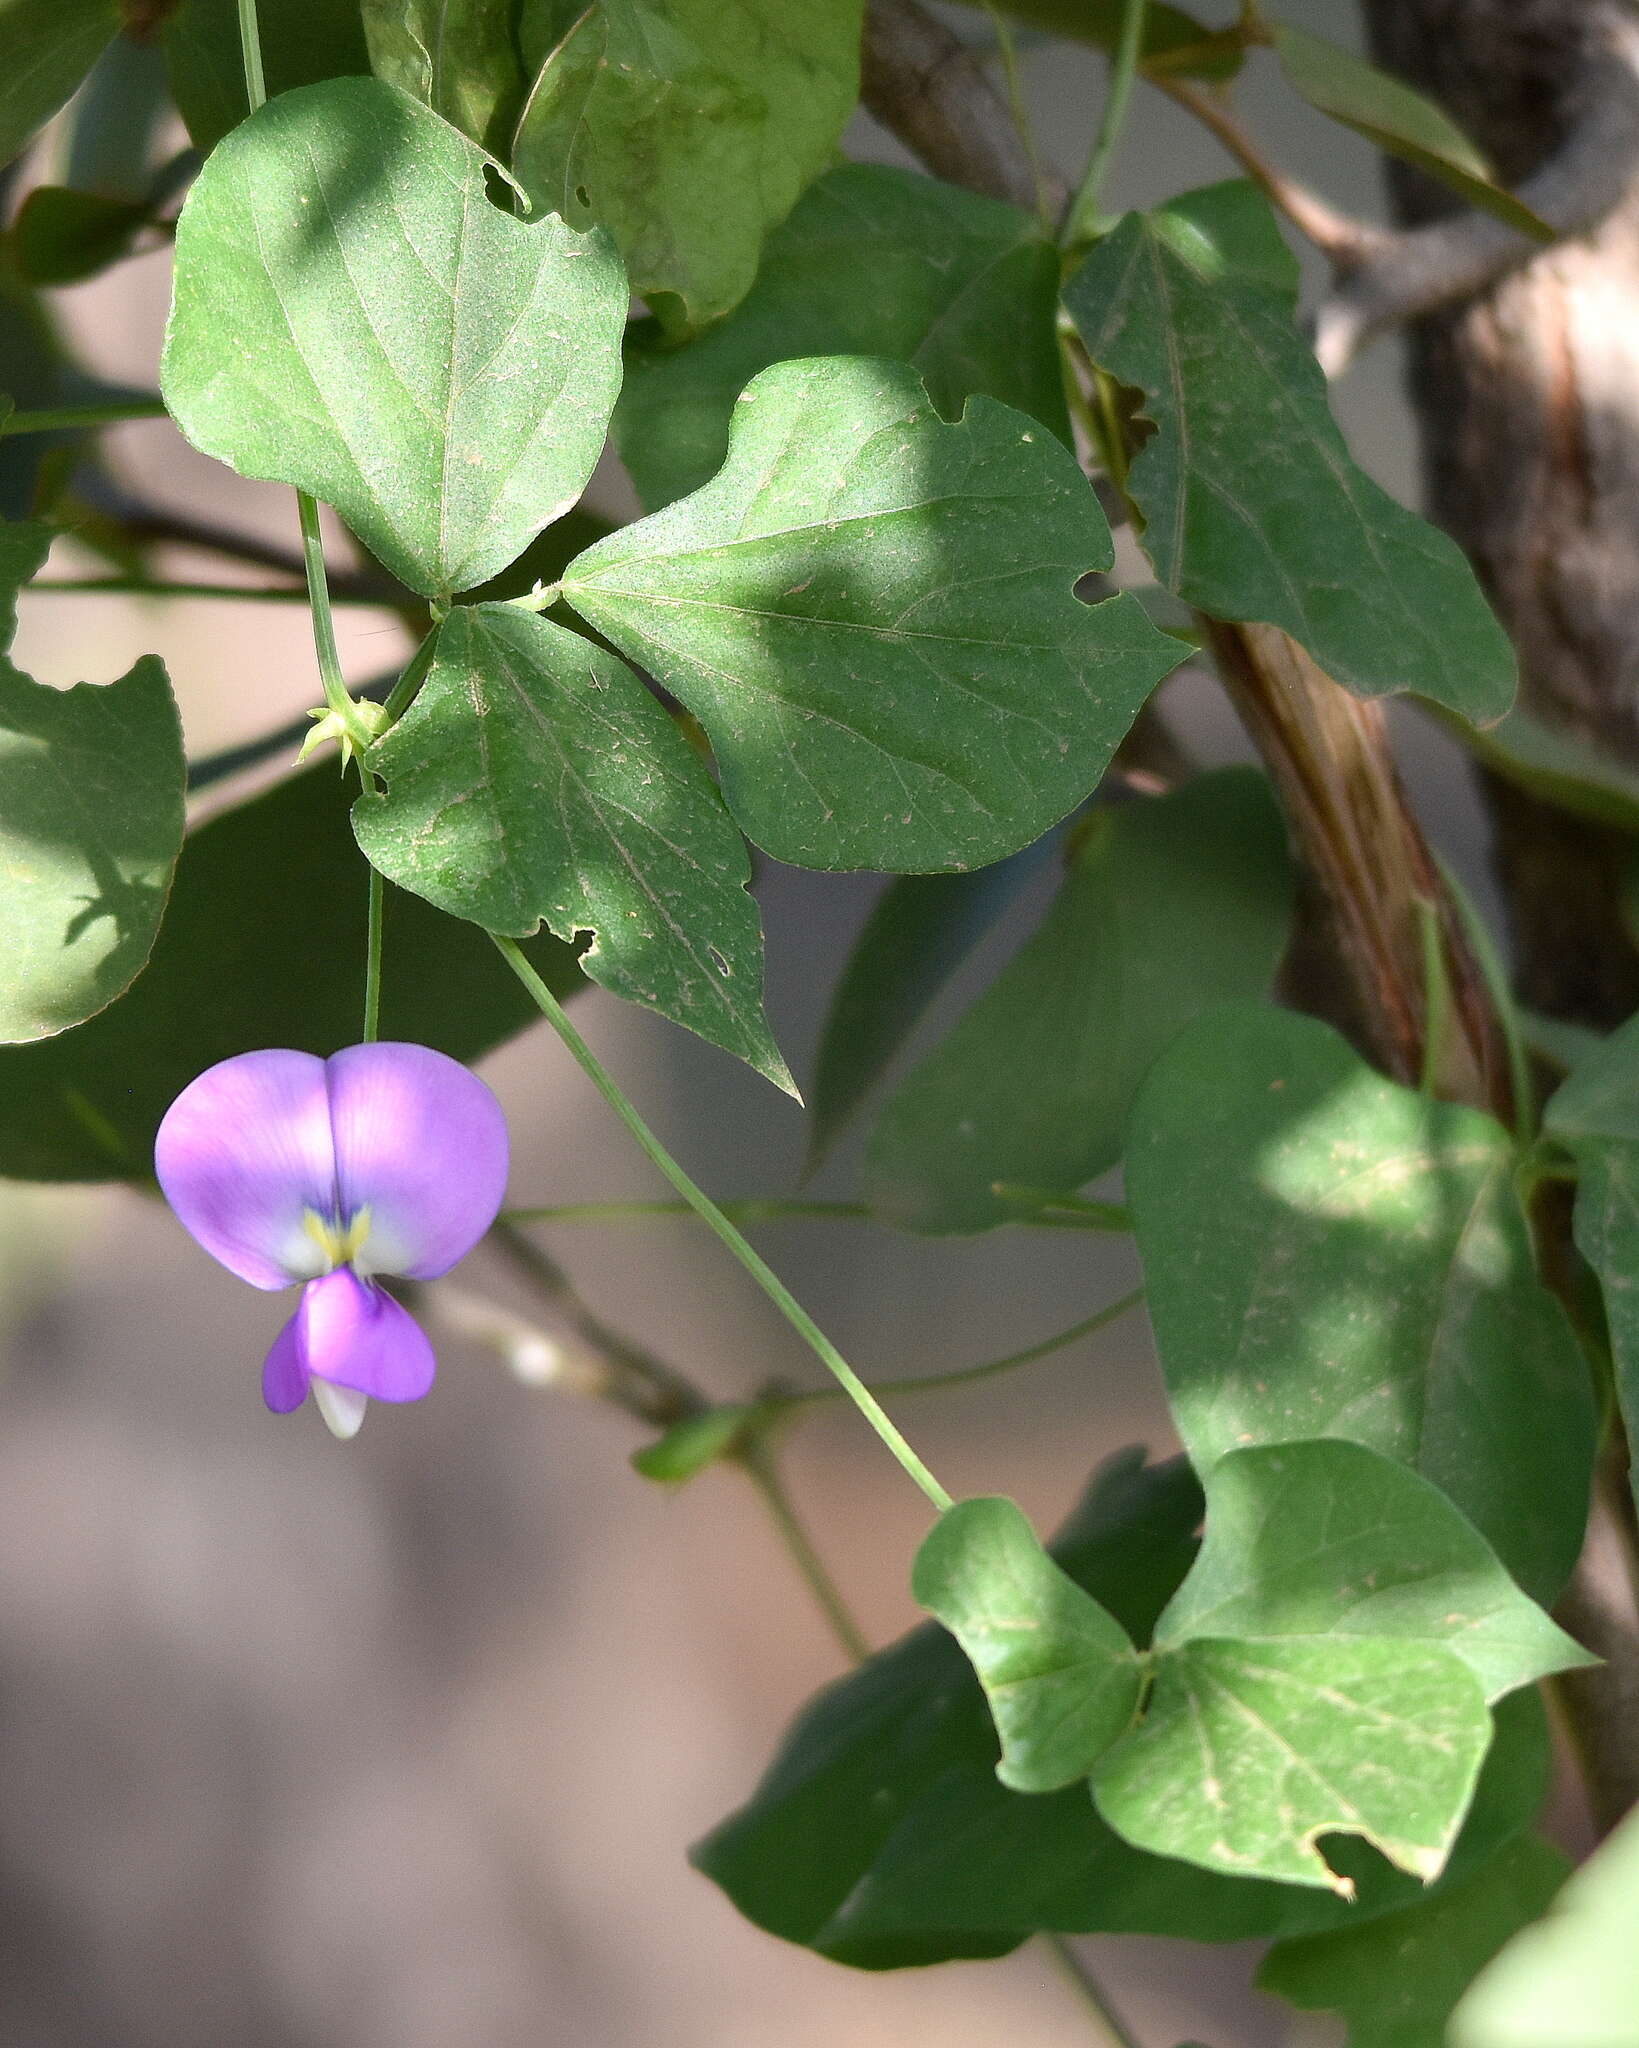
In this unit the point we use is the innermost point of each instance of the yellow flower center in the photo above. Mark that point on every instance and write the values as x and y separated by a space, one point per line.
340 1243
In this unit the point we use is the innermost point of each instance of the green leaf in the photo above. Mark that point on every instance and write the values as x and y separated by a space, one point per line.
1397 1980
1249 1752
1595 1112
446 423
883 1838
872 614
1571 1981
1170 904
51 45
61 236
873 262
688 128
1330 1539
920 930
1060 1672
1397 120
689 1446
534 779
1328 1254
91 786
1174 43
263 944
303 41
458 57
1556 766
1253 507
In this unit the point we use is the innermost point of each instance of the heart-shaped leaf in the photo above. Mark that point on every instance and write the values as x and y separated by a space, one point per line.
355 316
872 614
534 780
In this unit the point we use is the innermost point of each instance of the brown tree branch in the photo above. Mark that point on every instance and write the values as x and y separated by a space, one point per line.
926 87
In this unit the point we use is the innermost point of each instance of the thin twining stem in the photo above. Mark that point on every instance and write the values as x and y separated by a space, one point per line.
751 1210
720 1226
235 593
761 1467
59 419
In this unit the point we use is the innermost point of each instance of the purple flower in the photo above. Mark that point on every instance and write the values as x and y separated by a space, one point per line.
288 1168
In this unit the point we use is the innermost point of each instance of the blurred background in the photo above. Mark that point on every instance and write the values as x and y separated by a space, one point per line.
400 1744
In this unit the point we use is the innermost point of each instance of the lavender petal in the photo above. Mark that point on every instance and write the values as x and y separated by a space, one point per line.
422 1143
354 1335
284 1377
241 1154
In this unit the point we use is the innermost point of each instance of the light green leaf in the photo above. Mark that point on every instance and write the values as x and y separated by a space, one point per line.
882 1837
1571 1981
1059 1671
50 46
690 1446
1328 1254
1599 1104
873 262
1249 1752
1398 120
458 57
1169 905
90 827
1331 1539
688 128
302 41
262 944
1253 508
1397 1980
447 420
535 779
920 930
872 614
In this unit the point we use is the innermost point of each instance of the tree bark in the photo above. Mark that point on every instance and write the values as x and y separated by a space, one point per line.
1527 401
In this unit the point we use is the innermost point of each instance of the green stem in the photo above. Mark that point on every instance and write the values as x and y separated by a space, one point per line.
142 586
1436 995
757 1209
714 1219
96 413
1081 223
761 1469
1088 1989
250 49
1112 1216
318 597
372 962
970 1375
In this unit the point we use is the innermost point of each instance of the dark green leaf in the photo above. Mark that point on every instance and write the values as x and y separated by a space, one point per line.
90 827
1596 1113
61 236
874 262
535 779
1174 42
50 45
1170 904
1331 1539
920 930
1571 1981
882 1836
1398 120
447 423
458 57
1249 1752
1328 1254
1397 1979
1253 507
872 614
303 41
688 130
263 944
1060 1673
